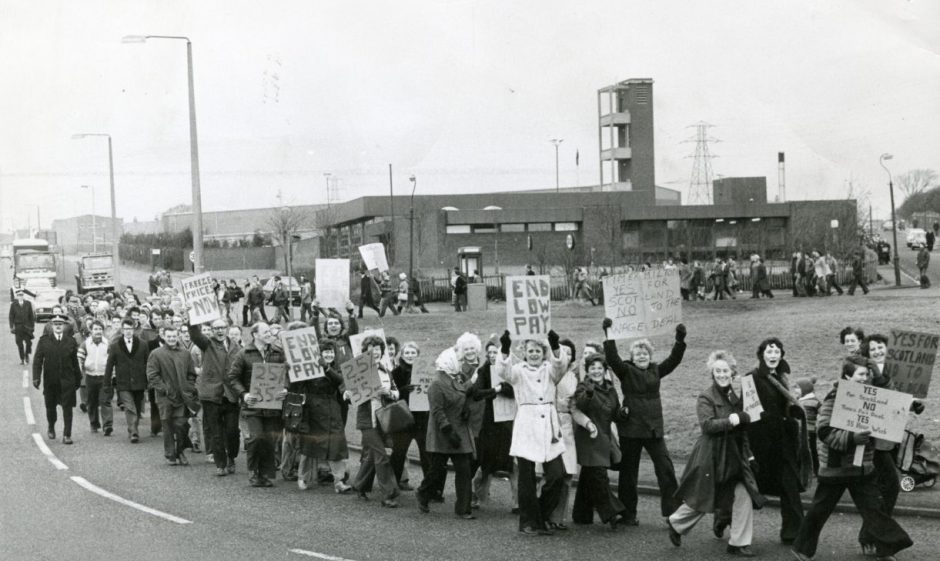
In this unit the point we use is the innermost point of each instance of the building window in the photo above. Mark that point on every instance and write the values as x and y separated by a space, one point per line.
539 227
631 236
458 229
566 226
512 228
484 229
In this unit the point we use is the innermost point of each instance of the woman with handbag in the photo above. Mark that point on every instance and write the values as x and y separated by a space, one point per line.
374 463
449 433
719 474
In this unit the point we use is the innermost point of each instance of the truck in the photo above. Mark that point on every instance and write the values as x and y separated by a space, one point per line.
95 273
32 264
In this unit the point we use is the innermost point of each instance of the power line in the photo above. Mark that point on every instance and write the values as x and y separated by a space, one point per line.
700 182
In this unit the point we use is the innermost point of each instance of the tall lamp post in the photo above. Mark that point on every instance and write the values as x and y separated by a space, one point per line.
411 238
193 145
894 223
115 231
94 229
556 142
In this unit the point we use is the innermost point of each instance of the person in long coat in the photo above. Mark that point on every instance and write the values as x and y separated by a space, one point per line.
495 437
536 433
127 370
564 394
640 380
596 398
22 325
718 474
762 282
55 366
780 441
172 376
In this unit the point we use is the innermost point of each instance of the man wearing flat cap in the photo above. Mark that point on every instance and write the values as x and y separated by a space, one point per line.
55 366
22 325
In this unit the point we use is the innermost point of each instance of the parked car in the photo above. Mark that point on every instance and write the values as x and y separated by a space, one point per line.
291 284
916 238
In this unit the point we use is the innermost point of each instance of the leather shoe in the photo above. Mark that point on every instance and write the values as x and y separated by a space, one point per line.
466 516
390 503
799 556
108 431
742 550
405 486
66 440
556 526
221 472
50 435
135 439
719 530
423 504
529 531
674 536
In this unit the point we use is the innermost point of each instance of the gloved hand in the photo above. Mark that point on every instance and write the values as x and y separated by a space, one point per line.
680 333
607 324
505 342
744 418
734 419
917 406
861 438
36 383
553 339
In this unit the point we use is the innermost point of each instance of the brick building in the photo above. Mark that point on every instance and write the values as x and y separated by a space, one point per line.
82 234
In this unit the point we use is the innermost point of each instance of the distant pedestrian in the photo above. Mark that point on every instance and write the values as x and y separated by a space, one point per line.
367 291
306 298
858 273
923 261
280 299
822 273
931 238
762 281
402 295
697 282
460 291
685 278
582 286
256 301
831 280
528 271
55 366
22 325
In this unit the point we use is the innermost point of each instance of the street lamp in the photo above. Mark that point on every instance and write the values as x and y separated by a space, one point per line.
94 230
115 231
411 238
894 223
556 142
193 145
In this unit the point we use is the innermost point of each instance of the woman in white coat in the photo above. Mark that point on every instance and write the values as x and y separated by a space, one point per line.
536 435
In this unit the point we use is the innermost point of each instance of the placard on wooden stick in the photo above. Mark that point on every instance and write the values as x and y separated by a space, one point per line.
373 256
302 351
332 282
910 360
642 304
267 379
203 301
528 306
361 378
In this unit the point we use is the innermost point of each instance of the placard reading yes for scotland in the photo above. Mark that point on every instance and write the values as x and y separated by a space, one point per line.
642 304
302 351
332 282
373 255
528 306
860 407
199 295
910 360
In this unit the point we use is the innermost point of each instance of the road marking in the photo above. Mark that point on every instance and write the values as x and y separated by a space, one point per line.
48 453
28 409
317 555
26 379
109 495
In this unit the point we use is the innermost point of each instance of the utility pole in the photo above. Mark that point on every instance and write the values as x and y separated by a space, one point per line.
556 142
391 211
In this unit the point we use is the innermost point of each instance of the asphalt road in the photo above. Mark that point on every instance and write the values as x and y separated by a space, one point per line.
46 513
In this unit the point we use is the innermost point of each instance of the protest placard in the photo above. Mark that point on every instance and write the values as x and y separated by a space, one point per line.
528 306
860 407
418 398
642 304
910 360
361 378
332 277
267 379
355 341
373 256
750 399
302 351
504 408
201 298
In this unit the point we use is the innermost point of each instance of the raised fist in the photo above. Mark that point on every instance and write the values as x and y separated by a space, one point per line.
680 333
553 340
607 324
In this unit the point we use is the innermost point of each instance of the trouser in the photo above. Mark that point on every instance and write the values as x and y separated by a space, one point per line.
367 302
280 313
535 509
99 399
310 467
174 433
460 303
482 481
374 464
557 515
260 308
822 286
196 431
155 423
857 280
924 279
662 466
833 283
263 433
24 345
721 290
742 518
290 455
755 288
388 303
814 452
221 423
245 311
594 493
133 401
685 293
401 441
438 472
889 486
52 401
791 507
887 535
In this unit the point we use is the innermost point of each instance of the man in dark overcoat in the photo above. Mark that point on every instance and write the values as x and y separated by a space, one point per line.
55 366
22 325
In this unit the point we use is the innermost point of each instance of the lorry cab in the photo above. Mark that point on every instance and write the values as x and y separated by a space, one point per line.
95 273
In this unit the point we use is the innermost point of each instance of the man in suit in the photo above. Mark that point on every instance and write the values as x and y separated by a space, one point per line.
22 324
127 372
55 366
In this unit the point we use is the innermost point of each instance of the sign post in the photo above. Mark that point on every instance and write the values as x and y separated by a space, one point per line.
643 303
528 306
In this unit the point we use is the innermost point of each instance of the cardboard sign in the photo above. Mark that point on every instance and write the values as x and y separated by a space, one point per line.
910 361
860 407
528 306
373 255
642 304
267 380
361 378
332 282
198 293
303 354
355 341
504 408
750 399
418 398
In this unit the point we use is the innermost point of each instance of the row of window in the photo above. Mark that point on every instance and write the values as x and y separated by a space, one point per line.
519 227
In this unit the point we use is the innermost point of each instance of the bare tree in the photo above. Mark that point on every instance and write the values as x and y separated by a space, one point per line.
324 221
857 191
285 223
915 181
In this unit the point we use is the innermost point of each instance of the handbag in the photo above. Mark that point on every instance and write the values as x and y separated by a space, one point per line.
394 417
616 456
293 412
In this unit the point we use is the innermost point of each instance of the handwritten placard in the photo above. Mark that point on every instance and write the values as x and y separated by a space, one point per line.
302 351
860 407
361 378
332 282
910 360
418 398
750 399
643 303
504 408
355 341
373 255
528 306
267 379
203 301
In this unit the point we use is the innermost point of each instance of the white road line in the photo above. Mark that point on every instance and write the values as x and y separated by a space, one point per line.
48 453
109 495
28 410
26 379
317 555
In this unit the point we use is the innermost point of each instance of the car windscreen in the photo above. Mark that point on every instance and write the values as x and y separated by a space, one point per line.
35 261
97 262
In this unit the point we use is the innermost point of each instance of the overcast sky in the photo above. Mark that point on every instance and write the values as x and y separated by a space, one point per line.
464 94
